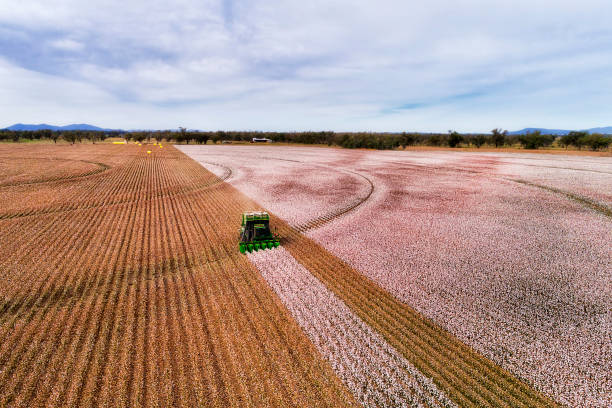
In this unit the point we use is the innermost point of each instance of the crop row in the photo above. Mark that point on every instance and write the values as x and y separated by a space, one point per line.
375 373
141 299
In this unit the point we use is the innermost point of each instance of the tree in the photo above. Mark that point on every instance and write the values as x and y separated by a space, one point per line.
454 138
45 133
572 138
93 136
498 137
330 137
434 140
595 141
407 139
183 134
217 136
78 135
140 137
479 140
201 137
69 136
535 140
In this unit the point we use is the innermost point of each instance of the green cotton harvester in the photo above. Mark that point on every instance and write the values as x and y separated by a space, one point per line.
255 232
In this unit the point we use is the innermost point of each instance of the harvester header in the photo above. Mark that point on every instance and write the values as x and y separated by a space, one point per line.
255 232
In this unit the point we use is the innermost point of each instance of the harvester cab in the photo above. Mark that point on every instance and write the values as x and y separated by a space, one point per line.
255 232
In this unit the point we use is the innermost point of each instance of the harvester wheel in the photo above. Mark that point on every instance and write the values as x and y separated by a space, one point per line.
250 247
242 248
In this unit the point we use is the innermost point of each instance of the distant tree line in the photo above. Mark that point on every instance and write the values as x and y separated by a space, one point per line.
497 138
593 141
71 136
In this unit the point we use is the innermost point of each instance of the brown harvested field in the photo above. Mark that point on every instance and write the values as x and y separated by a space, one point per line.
123 287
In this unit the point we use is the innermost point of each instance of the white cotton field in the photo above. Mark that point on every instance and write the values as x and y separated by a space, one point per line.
503 250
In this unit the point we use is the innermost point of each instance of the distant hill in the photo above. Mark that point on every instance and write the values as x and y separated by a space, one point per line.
79 126
605 130
559 132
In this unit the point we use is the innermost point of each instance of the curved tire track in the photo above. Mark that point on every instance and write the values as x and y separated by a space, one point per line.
327 218
317 222
101 168
586 202
228 171
84 206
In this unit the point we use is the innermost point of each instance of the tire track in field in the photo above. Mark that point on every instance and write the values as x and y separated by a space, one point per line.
61 237
319 221
580 199
327 218
85 206
555 167
227 172
101 168
585 201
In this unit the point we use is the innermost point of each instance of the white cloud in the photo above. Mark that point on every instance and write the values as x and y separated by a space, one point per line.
467 65
67 44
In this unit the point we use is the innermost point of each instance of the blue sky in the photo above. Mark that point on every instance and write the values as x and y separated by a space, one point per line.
307 65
